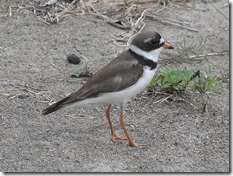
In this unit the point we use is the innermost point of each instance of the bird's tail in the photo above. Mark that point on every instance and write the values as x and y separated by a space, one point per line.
51 109
54 107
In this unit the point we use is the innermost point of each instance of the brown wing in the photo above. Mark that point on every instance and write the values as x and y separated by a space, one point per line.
119 74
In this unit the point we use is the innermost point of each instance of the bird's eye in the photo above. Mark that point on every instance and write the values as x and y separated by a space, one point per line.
154 42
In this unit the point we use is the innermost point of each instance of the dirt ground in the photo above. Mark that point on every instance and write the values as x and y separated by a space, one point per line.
34 71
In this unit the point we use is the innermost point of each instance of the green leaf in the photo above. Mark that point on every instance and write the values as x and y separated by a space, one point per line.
78 68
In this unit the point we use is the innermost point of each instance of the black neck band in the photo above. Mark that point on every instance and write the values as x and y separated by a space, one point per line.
144 61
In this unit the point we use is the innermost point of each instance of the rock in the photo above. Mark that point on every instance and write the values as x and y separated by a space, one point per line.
23 95
73 59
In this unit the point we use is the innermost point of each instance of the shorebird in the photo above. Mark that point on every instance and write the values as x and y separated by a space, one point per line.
120 80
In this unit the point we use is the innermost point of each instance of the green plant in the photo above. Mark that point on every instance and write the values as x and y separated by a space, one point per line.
173 80
186 49
176 80
203 84
86 61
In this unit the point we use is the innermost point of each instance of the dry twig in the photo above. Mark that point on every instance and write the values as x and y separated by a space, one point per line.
172 23
208 54
218 10
181 99
163 99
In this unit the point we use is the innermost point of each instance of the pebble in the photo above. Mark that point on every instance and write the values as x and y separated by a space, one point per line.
23 95
73 59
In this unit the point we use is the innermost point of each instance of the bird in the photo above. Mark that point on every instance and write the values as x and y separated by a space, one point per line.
116 83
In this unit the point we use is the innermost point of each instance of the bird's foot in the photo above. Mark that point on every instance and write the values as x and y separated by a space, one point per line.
116 137
133 144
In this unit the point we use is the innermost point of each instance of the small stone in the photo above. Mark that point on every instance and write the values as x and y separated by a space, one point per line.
73 59
176 144
23 95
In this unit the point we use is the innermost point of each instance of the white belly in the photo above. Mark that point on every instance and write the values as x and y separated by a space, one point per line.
121 96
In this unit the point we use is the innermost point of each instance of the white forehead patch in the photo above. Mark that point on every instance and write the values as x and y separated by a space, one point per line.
161 40
149 39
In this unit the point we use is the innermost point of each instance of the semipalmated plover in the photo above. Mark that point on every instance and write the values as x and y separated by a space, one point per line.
124 77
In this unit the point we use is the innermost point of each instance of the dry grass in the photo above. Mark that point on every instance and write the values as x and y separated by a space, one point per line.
127 15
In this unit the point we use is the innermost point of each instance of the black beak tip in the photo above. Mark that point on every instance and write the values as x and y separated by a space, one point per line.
171 47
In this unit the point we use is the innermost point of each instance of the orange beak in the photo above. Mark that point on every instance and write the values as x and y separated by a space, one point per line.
167 45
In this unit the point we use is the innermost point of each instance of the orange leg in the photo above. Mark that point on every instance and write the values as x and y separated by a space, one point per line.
114 135
131 142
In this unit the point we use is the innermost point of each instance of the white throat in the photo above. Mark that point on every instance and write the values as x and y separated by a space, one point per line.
151 55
